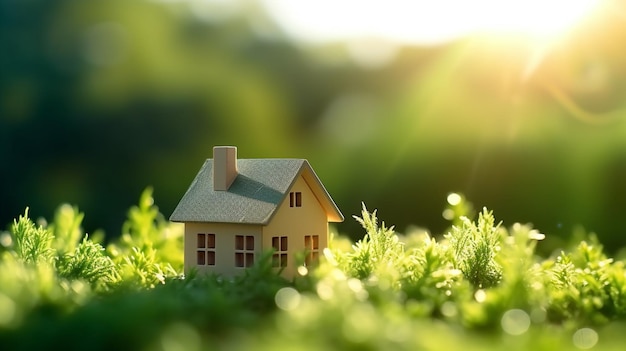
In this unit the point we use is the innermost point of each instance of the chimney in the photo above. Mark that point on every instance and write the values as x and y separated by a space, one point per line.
224 167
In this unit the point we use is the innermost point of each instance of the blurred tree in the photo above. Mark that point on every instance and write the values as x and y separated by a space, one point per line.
100 99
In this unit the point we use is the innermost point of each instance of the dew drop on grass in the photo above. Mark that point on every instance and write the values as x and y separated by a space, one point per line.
515 322
287 299
585 338
454 199
480 296
303 271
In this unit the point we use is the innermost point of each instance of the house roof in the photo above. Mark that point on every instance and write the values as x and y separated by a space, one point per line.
253 197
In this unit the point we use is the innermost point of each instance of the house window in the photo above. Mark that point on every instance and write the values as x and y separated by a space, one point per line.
312 246
295 199
244 250
279 259
205 249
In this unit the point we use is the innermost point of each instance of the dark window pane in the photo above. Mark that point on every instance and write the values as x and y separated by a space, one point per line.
283 260
275 243
249 242
210 241
291 202
239 242
201 241
201 258
298 199
249 259
239 259
283 243
316 242
210 258
307 242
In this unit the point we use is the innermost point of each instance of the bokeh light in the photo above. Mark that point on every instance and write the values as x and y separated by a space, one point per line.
287 299
585 338
515 322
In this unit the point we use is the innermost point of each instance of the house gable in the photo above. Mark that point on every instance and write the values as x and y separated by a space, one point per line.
291 224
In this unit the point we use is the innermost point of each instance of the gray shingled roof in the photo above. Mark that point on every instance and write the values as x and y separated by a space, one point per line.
254 195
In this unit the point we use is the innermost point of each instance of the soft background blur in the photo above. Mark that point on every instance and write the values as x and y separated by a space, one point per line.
100 99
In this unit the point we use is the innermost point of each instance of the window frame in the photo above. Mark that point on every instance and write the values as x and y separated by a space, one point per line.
295 199
280 257
205 249
244 250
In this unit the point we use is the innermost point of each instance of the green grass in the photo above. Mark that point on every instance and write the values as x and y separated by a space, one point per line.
478 286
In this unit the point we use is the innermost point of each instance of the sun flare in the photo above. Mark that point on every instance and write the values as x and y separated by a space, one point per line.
425 22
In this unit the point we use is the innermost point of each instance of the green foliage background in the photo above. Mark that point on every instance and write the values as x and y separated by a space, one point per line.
99 99
478 286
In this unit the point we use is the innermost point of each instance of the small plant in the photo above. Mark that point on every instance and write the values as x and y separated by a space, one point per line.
475 246
379 248
150 248
88 262
32 243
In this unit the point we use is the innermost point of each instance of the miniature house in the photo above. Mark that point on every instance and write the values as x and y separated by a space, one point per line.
236 209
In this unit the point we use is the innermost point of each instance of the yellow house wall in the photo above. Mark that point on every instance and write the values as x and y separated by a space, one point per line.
224 245
295 223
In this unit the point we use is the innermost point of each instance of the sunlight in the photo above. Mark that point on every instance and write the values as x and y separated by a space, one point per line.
427 22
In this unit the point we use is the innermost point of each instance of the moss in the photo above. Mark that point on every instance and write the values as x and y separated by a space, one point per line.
480 285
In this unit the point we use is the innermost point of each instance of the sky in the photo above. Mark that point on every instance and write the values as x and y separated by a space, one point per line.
426 22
